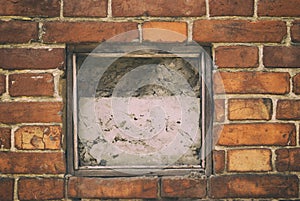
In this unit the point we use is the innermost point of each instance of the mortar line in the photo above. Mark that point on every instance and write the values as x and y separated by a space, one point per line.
61 12
255 14
190 24
109 9
140 30
16 180
207 8
288 39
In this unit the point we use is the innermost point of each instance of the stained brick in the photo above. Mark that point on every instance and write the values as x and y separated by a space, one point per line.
86 8
254 186
288 109
80 187
249 160
38 137
236 57
176 31
40 188
6 189
288 159
238 31
161 8
231 7
278 8
23 58
2 84
31 112
273 134
80 32
32 8
31 84
218 161
183 187
281 56
5 138
250 109
295 32
32 163
252 82
296 84
219 110
18 31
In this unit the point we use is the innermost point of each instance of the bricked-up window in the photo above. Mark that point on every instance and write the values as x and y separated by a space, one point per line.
139 109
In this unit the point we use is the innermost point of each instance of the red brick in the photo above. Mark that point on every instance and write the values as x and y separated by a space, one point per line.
219 110
254 186
5 138
2 84
165 31
161 8
38 137
218 161
279 8
238 31
288 159
249 160
86 8
31 84
288 109
252 83
22 58
6 189
31 8
296 84
30 112
295 32
273 134
236 57
32 163
80 187
281 56
250 109
80 32
231 7
182 187
18 32
40 188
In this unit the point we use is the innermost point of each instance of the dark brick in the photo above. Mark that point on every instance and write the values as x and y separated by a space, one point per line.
2 84
231 7
295 31
275 56
288 109
5 134
6 189
296 84
86 8
288 159
218 161
278 8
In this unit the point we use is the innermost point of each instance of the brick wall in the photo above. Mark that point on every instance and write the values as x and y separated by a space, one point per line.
255 46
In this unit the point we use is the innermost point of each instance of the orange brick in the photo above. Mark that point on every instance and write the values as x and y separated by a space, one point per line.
165 31
288 109
279 8
249 160
250 109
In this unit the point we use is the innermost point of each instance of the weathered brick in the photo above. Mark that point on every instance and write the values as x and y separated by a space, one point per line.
288 159
2 84
275 56
23 58
218 161
38 137
5 138
183 187
250 109
31 8
231 7
80 187
236 57
40 188
249 160
6 189
87 8
280 8
32 163
30 112
219 110
156 31
31 84
80 32
273 134
254 186
251 82
288 109
238 31
296 84
18 31
161 8
295 31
